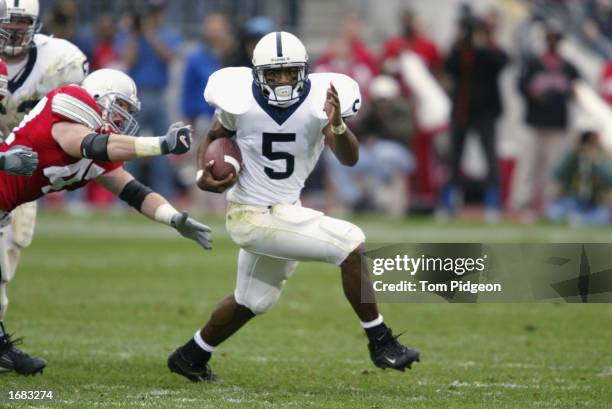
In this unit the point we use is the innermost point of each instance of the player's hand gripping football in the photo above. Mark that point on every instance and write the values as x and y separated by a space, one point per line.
192 229
207 182
19 161
332 106
177 140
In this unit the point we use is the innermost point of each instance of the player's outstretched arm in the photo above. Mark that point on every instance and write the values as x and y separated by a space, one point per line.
79 141
19 161
204 178
342 140
122 184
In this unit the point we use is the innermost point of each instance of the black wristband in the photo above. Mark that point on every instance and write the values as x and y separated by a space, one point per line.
164 146
95 146
134 193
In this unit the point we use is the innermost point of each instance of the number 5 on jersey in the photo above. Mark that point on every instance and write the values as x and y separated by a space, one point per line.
268 151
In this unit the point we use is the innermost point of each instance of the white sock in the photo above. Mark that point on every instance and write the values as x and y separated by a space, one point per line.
198 340
371 324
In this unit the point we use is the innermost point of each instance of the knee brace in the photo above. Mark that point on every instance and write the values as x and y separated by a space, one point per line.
23 221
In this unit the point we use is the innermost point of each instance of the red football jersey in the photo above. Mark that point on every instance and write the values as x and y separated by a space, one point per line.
56 169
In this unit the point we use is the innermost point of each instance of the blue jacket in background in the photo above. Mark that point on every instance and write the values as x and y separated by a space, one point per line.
200 65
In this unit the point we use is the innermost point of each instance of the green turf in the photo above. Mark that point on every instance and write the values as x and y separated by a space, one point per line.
106 300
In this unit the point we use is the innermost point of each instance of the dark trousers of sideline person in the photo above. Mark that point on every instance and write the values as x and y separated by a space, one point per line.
484 128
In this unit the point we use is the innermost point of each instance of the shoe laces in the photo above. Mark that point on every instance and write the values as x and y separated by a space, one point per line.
393 342
7 344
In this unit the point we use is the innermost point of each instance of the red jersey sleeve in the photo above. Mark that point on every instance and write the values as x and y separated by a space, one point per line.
73 104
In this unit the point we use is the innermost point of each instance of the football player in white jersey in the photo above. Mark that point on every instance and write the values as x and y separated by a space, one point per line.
281 117
19 160
37 64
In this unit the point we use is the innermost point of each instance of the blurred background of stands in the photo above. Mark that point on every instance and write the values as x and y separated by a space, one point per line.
586 26
187 15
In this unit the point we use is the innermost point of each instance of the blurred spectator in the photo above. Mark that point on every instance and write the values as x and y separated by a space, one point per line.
217 48
105 55
583 177
597 26
546 83
349 55
252 31
414 39
62 21
474 66
379 180
147 49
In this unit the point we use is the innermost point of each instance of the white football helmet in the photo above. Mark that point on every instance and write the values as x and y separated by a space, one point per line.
117 96
22 24
278 50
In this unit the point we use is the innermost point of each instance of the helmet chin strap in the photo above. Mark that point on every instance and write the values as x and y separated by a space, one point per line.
281 92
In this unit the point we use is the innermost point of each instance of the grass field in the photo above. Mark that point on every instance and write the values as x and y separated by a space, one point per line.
105 300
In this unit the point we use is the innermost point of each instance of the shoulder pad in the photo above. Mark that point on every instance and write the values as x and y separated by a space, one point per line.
229 89
57 50
59 63
348 92
41 39
70 103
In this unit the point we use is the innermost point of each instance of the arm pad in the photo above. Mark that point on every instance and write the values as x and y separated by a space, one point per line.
134 193
94 146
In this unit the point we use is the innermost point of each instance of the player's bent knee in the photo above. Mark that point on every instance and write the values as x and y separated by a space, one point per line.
259 303
345 237
354 258
23 223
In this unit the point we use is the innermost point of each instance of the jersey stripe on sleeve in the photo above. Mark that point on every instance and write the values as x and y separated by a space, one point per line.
76 110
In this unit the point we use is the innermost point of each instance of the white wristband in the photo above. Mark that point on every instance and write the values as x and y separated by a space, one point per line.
147 146
340 129
165 213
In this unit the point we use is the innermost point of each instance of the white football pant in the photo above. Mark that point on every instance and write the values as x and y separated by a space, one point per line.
273 239
16 232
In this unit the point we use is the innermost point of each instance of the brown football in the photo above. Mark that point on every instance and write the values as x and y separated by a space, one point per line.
227 157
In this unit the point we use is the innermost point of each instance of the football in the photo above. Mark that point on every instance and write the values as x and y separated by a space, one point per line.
227 157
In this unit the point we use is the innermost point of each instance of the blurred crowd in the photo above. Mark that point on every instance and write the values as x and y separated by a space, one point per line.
421 105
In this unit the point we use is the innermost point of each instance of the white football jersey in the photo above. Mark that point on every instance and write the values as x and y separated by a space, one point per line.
279 146
51 63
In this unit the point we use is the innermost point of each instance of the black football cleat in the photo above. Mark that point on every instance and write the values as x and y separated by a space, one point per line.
194 372
387 352
14 359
